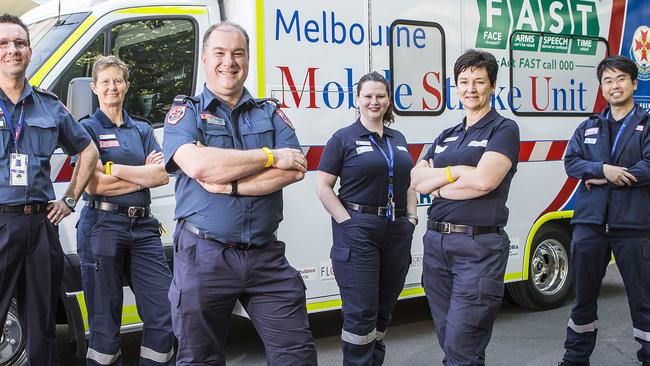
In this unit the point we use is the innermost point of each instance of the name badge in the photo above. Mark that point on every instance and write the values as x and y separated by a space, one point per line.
107 137
482 143
109 143
450 139
590 141
213 120
591 131
363 149
402 148
363 143
18 169
440 149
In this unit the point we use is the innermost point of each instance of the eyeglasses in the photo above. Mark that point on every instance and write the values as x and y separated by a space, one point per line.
619 80
19 43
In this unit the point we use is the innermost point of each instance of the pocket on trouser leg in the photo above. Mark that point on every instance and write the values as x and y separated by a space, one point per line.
340 257
174 296
491 295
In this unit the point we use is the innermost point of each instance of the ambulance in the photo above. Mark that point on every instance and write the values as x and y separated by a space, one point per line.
310 55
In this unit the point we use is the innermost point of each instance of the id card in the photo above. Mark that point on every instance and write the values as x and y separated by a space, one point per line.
18 170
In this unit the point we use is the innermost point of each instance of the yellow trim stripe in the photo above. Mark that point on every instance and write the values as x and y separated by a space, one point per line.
558 215
129 313
261 82
38 77
168 10
512 276
336 304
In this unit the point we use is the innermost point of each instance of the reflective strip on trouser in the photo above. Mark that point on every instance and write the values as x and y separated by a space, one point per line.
591 327
642 335
146 352
102 358
359 340
381 335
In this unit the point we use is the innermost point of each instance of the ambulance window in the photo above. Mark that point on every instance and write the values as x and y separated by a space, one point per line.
81 67
161 56
553 74
417 68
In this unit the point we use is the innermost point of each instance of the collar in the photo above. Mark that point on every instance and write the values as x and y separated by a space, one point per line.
208 98
360 130
484 121
636 112
27 91
107 123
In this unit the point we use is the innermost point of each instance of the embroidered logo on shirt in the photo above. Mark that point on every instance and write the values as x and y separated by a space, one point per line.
109 143
175 114
482 143
362 149
450 139
363 143
639 128
590 141
213 120
107 137
402 148
440 149
591 131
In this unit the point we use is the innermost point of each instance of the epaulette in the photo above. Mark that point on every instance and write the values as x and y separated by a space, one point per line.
182 99
88 116
141 119
261 101
44 91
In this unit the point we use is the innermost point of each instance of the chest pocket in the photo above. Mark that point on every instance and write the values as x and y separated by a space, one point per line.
217 136
42 136
258 134
5 141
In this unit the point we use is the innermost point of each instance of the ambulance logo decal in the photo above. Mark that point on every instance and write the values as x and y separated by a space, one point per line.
640 51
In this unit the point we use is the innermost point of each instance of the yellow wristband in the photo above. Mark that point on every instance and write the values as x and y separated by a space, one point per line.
269 157
448 173
107 168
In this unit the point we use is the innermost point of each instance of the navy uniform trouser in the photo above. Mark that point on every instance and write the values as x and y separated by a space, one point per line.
463 280
31 266
209 278
370 256
591 251
113 247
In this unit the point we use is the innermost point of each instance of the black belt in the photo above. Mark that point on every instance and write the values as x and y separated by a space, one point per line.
448 228
380 211
24 209
130 211
201 235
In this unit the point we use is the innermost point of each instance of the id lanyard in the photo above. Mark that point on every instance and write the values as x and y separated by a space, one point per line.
390 161
621 129
18 128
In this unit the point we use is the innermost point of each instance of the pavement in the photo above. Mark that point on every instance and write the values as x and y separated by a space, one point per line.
520 338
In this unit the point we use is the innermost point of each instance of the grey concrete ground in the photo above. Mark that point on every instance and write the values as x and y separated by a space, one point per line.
520 338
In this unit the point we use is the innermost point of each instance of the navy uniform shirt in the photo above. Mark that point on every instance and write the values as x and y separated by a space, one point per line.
252 124
457 146
129 144
47 125
622 208
363 171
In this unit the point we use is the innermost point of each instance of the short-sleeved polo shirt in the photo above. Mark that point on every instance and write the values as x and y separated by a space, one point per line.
460 146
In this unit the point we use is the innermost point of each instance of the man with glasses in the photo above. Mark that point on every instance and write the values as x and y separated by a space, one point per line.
33 123
610 152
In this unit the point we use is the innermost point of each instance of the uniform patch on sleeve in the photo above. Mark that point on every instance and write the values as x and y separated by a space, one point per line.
175 114
284 118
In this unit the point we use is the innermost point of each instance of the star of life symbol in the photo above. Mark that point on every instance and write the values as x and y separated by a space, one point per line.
640 51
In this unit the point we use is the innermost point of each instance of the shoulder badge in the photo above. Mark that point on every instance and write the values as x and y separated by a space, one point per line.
284 118
175 114
44 91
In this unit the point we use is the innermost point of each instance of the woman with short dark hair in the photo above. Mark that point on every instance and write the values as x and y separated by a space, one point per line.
468 170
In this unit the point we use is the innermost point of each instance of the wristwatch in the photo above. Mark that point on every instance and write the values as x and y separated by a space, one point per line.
233 188
70 202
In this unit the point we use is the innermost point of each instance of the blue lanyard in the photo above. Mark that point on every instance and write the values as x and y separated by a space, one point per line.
18 128
621 129
390 161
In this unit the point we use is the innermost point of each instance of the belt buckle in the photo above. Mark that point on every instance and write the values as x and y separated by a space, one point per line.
135 211
446 227
27 209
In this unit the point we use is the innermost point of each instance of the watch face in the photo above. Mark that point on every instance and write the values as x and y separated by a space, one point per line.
69 201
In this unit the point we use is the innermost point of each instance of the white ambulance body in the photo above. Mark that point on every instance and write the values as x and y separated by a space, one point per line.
309 55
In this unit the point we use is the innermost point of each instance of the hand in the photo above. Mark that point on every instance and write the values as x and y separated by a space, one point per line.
618 175
57 211
289 159
595 182
215 187
423 164
412 221
154 158
348 217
